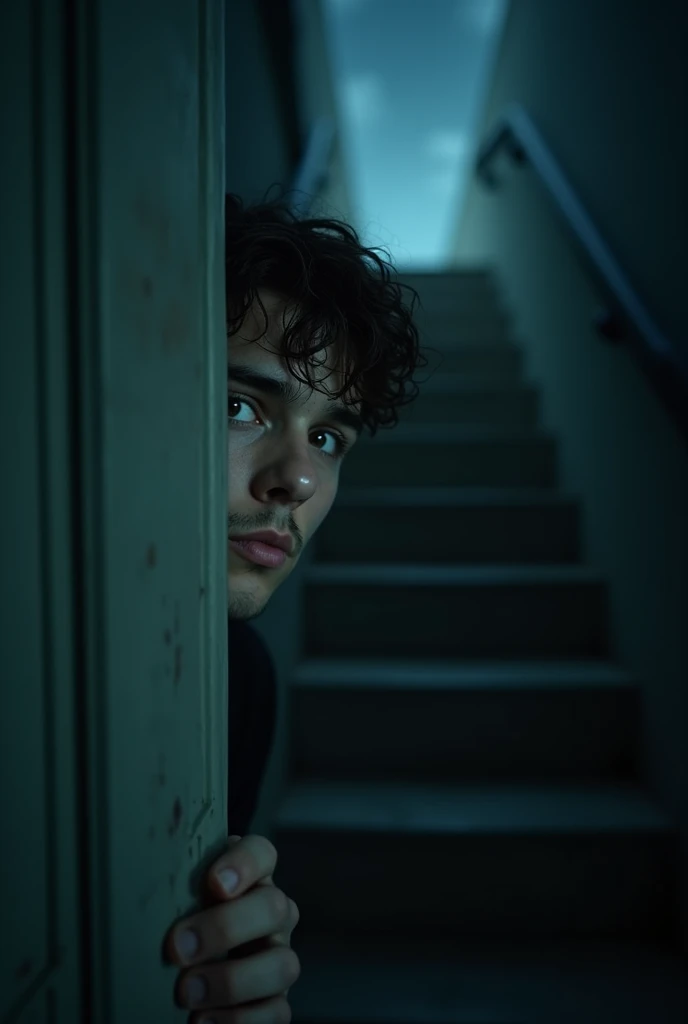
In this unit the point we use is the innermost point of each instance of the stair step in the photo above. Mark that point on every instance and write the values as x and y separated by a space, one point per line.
400 574
416 979
364 673
453 282
455 456
460 525
497 860
459 497
457 384
449 332
471 273
419 433
501 362
444 611
463 721
457 294
446 399
464 317
480 809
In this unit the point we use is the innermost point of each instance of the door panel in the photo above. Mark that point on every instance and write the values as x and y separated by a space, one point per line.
40 976
114 436
154 477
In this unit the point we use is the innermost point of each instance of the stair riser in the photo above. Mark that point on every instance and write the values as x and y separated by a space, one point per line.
486 306
467 464
453 287
457 736
529 620
463 318
519 409
574 885
447 334
492 534
501 366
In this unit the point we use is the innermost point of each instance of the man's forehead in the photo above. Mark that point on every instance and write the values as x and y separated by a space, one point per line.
324 367
264 349
279 309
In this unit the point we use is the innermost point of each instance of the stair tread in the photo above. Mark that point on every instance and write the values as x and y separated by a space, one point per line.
456 674
493 347
425 574
478 496
469 809
469 272
406 979
405 433
460 383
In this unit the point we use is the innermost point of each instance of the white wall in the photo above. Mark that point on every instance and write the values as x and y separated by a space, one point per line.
409 83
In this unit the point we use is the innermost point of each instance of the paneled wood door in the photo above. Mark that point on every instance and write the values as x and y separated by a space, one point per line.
113 454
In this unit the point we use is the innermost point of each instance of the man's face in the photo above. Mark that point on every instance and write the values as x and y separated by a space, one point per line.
284 453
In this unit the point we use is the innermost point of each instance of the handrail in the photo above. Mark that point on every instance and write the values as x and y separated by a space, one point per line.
627 319
313 169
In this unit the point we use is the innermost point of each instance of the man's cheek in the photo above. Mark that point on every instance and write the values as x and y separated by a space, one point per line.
238 472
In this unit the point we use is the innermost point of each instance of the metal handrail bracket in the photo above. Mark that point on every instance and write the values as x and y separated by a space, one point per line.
663 361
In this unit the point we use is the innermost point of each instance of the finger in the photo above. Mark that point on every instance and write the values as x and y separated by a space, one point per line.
283 937
267 1011
215 930
280 938
252 859
235 982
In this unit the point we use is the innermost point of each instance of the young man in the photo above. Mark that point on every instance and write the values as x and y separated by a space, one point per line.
320 346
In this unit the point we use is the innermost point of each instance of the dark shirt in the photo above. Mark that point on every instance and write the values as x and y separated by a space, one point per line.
252 708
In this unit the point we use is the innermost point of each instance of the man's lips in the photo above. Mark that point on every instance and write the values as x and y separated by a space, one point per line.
283 541
259 552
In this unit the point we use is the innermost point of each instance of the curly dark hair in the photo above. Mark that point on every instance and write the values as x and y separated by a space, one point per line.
344 293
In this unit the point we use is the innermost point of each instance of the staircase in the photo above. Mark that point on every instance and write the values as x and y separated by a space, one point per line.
467 834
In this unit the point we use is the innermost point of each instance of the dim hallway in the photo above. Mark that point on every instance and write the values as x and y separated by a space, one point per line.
467 768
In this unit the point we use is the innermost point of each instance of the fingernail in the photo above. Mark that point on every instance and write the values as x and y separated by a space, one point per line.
186 943
196 990
228 879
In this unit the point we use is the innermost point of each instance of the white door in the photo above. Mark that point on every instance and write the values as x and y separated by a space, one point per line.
113 638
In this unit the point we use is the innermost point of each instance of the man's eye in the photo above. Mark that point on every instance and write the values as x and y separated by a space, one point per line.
236 400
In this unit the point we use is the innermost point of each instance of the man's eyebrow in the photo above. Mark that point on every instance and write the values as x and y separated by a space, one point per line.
288 391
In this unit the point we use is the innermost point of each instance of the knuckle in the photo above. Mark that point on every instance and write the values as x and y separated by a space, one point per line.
291 967
272 852
264 842
230 938
259 857
278 1012
280 906
231 931
283 1013
295 915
